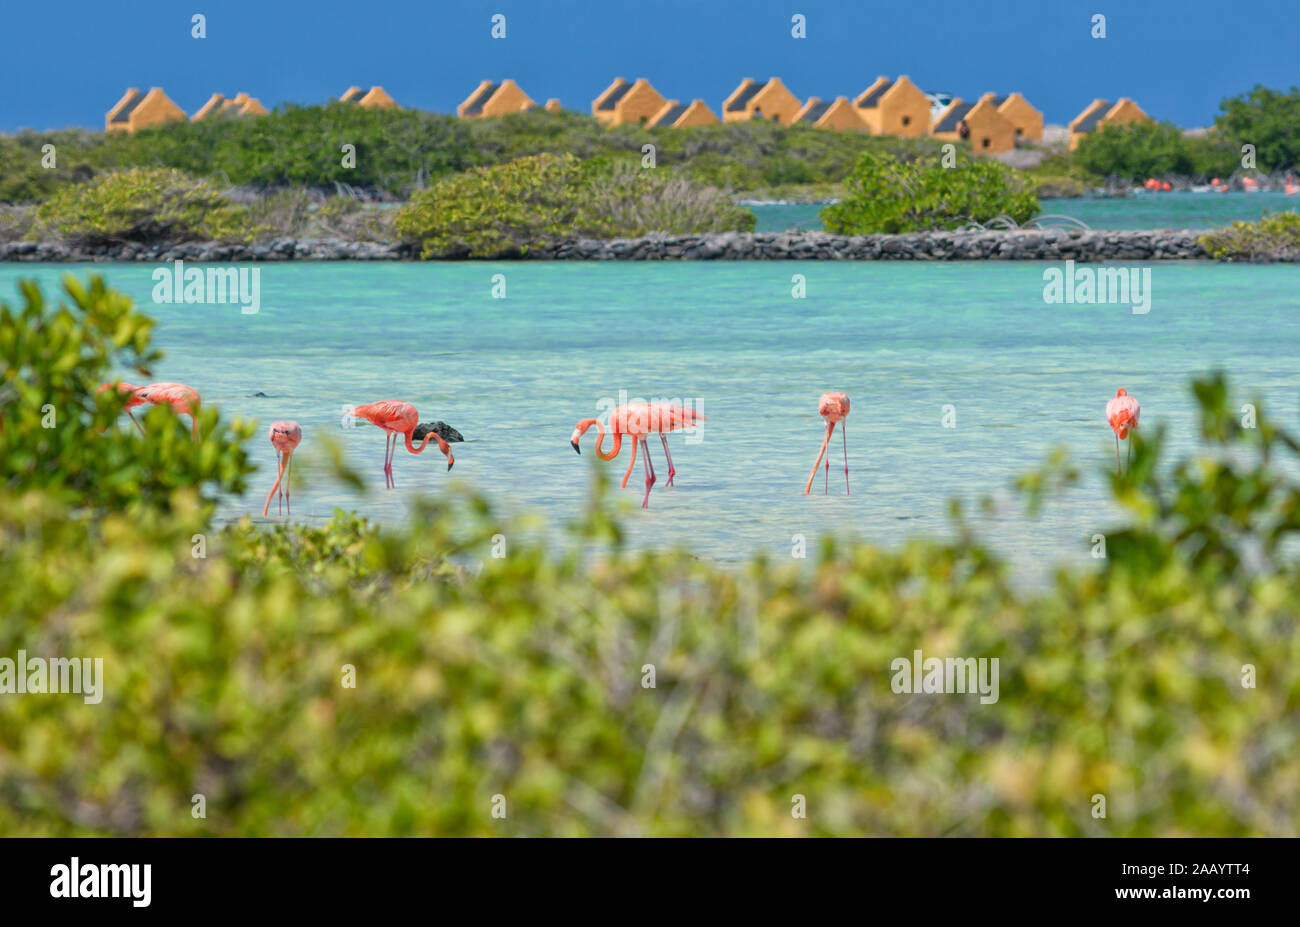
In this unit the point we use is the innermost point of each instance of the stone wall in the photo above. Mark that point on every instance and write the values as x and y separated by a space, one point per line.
1049 245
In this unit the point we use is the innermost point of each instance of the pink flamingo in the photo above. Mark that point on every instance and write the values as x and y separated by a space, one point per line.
1122 414
833 407
639 420
182 398
133 400
399 418
1291 187
285 437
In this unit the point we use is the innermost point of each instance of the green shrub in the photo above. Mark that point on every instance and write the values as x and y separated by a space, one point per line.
888 195
62 436
1135 151
1275 237
144 205
522 676
532 202
401 151
1267 119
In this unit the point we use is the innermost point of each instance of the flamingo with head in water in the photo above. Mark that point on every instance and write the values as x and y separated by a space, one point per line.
182 398
1122 414
639 420
285 437
399 418
834 408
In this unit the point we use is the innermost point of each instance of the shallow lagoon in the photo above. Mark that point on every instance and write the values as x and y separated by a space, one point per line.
903 340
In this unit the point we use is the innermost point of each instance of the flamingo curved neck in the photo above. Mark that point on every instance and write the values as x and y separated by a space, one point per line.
615 447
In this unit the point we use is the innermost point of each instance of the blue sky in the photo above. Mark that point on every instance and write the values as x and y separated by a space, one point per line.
68 62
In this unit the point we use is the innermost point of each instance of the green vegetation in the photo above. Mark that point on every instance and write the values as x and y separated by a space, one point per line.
58 432
1274 237
401 151
522 676
515 207
1155 149
1060 175
1267 119
892 196
145 205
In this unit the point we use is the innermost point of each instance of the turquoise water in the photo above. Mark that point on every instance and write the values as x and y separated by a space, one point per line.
1141 211
902 340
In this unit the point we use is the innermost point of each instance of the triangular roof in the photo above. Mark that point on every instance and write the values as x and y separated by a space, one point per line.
950 118
669 115
813 110
121 111
207 109
870 98
743 94
615 92
1090 121
474 105
1091 115
352 95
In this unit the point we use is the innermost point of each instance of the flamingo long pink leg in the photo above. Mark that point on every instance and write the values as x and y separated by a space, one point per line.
288 480
671 469
817 464
388 460
631 463
274 489
136 420
826 480
844 433
649 474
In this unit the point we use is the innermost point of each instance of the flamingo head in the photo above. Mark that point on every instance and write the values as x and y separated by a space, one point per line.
578 431
1121 392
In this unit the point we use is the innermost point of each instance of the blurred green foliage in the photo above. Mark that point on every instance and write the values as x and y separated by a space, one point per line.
892 196
512 208
1274 237
147 204
522 675
1136 151
61 436
1267 119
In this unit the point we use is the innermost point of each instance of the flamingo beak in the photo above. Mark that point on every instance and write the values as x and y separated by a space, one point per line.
576 448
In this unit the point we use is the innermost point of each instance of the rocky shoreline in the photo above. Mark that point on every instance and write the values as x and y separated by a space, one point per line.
1038 245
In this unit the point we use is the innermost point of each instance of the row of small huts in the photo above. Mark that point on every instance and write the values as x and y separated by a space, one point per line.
992 124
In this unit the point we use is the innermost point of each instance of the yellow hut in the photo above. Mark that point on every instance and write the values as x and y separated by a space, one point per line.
894 107
137 111
839 114
553 105
676 115
752 100
1100 113
492 99
990 131
623 102
1024 118
241 104
375 98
